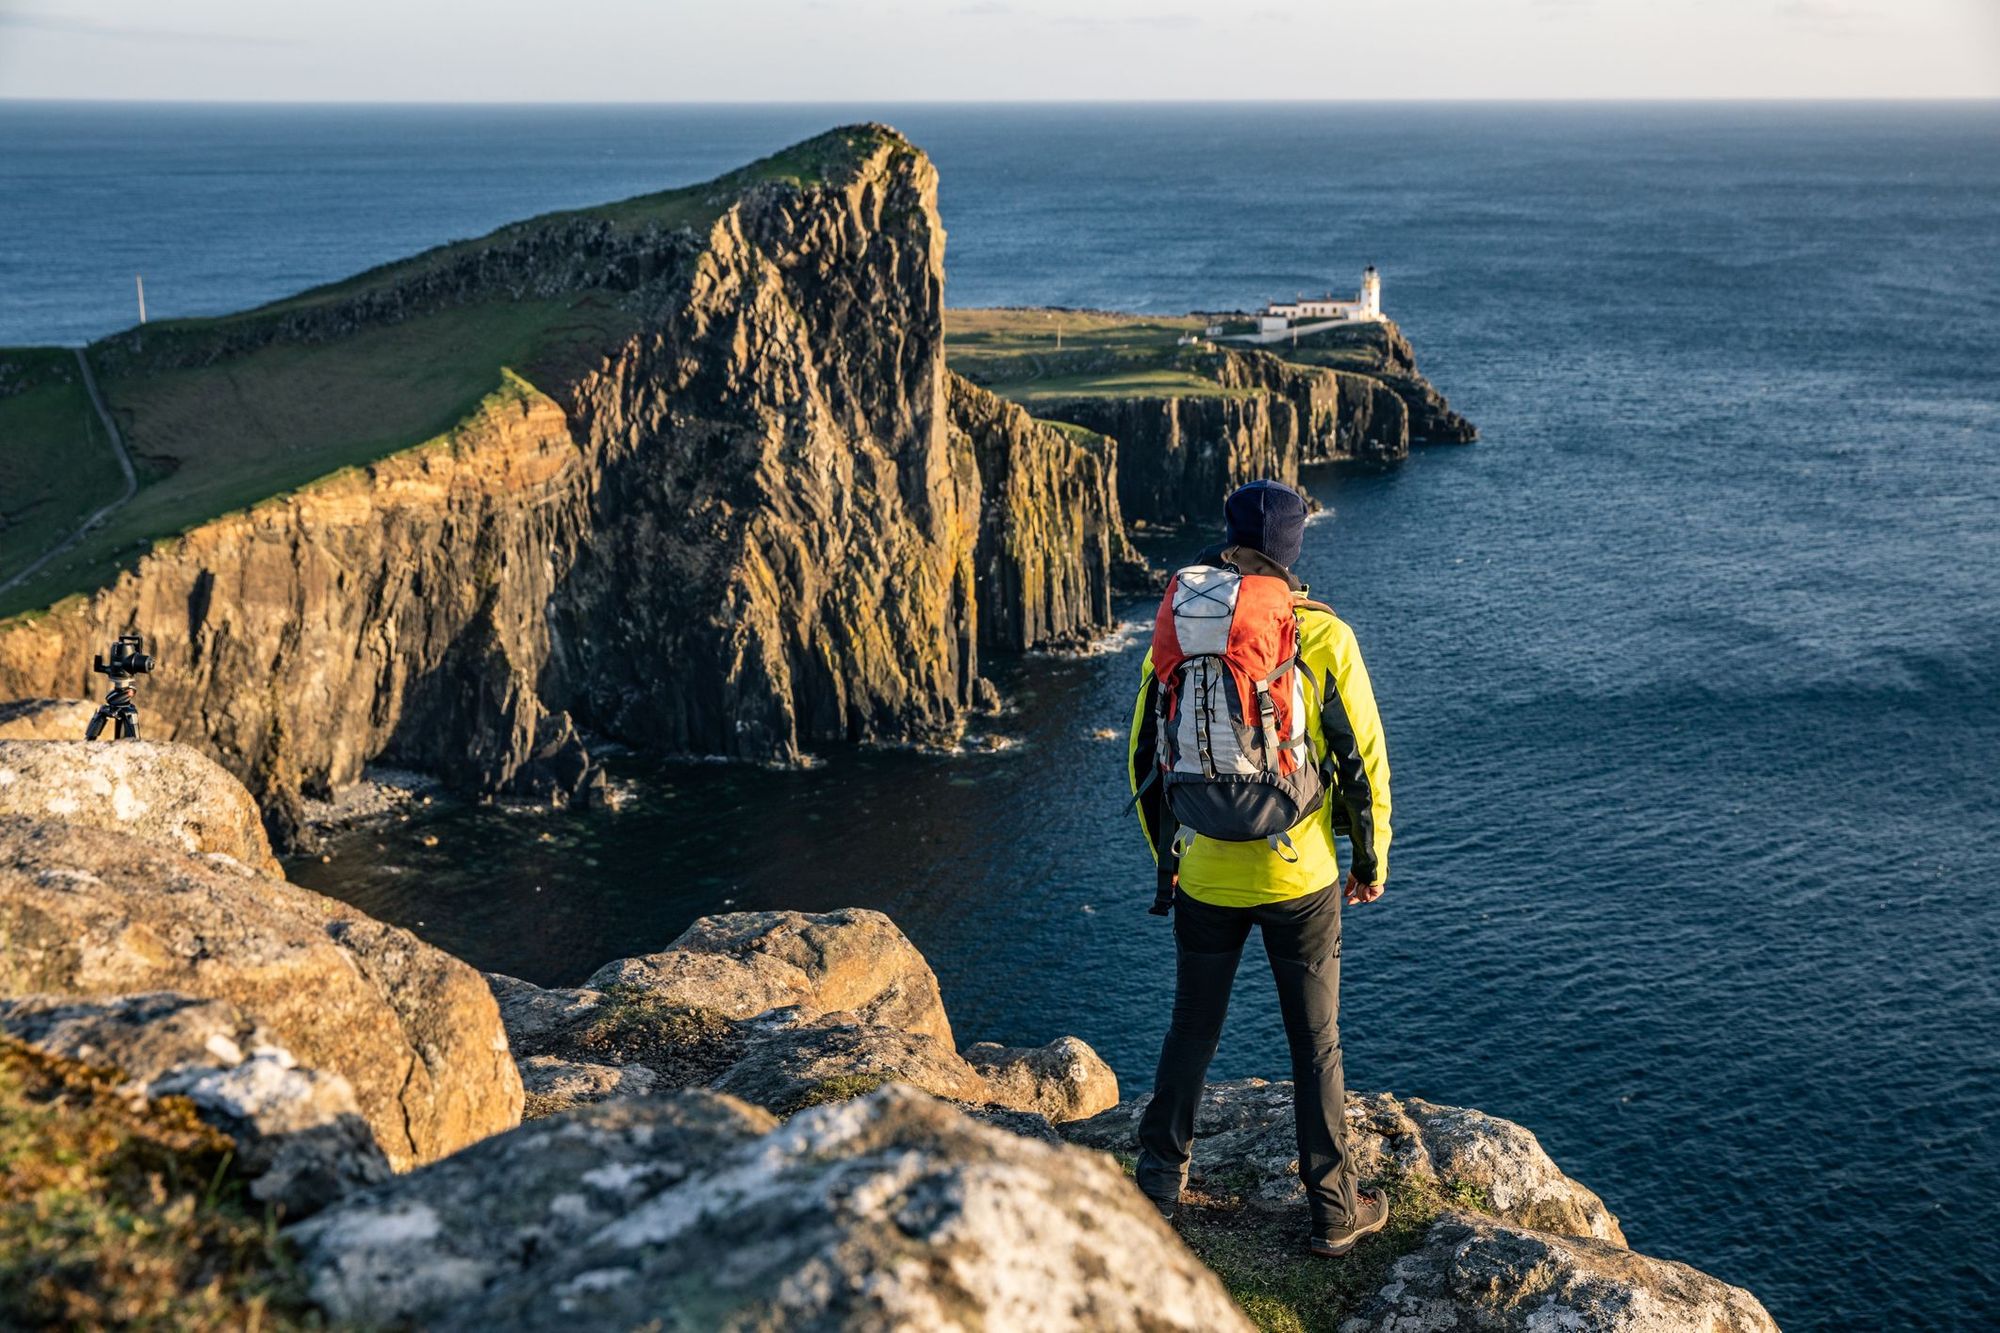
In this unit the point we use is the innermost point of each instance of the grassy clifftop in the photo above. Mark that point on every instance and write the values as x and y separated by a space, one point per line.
222 412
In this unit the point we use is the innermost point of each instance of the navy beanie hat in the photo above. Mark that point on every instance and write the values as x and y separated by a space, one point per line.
1269 516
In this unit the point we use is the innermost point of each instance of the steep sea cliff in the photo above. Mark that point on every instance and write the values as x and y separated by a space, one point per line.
746 512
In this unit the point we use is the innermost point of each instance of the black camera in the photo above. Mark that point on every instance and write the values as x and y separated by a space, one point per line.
128 659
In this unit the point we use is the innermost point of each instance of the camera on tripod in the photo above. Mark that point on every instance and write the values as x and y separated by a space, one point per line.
128 659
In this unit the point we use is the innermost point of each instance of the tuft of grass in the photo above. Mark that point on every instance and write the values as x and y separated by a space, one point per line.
839 1088
1261 1258
686 1047
121 1216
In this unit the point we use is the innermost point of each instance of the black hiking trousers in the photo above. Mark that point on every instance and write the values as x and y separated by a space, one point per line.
1302 940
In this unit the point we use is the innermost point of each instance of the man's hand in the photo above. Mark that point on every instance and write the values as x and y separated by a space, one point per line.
1356 893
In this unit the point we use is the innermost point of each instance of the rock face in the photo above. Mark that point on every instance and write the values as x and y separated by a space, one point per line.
1342 415
168 794
300 1139
761 482
1474 1275
1381 353
1354 395
741 964
86 912
1244 1131
1179 456
695 1211
1051 549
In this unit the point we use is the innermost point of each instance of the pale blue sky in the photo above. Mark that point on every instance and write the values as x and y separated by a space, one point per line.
924 50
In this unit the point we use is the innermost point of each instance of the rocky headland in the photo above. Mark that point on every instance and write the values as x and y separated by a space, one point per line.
714 490
730 502
768 1123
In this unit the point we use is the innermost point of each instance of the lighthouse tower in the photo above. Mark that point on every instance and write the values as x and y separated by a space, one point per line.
1370 299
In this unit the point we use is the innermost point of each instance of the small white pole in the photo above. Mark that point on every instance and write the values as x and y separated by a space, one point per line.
141 281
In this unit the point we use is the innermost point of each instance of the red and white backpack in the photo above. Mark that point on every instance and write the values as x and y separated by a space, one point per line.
1235 761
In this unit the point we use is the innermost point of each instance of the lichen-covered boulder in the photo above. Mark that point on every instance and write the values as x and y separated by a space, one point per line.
167 793
1064 1080
790 1061
741 964
300 1139
891 1212
1476 1275
86 912
45 719
1244 1132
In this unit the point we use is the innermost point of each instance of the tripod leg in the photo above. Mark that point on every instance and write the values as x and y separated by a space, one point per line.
96 726
128 728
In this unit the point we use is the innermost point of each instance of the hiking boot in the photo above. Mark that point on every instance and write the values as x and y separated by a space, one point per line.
1169 1208
1371 1214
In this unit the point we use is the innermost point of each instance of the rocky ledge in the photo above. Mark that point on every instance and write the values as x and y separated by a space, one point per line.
766 1124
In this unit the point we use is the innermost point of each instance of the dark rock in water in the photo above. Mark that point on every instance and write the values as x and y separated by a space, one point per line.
1475 1275
300 1140
748 518
891 1212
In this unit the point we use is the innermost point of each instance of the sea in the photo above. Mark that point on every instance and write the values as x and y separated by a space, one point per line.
1690 667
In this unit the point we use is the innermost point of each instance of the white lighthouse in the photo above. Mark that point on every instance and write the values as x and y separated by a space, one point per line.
1370 299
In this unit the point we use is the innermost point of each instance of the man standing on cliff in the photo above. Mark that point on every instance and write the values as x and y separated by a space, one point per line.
1288 886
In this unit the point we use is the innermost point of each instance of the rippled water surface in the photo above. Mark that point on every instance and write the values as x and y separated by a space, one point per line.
1689 669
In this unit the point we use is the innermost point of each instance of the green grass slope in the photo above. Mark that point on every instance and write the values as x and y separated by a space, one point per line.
56 462
1030 356
212 433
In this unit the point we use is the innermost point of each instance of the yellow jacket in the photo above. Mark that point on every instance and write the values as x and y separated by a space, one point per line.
1347 735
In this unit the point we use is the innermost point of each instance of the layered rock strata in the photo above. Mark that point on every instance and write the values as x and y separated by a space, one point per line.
88 913
761 518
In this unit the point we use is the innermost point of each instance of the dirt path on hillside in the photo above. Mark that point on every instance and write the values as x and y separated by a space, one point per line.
124 465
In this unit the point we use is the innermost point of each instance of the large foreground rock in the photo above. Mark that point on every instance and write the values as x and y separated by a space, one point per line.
300 1139
1475 1275
741 964
1244 1134
166 793
695 1211
86 912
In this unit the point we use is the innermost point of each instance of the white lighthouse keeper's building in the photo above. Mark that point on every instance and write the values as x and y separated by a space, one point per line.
1366 305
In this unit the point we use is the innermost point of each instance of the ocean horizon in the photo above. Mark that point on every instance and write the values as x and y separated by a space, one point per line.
1690 668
